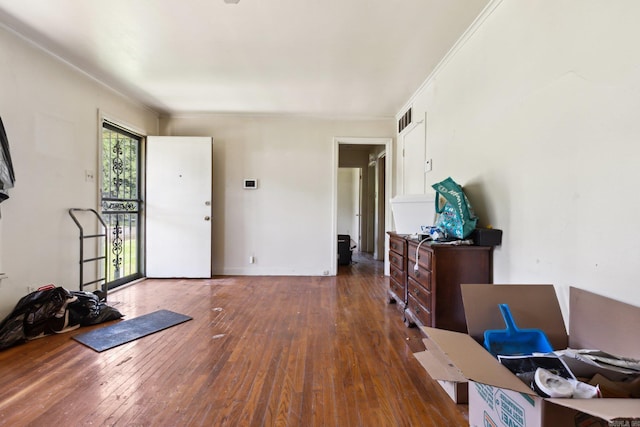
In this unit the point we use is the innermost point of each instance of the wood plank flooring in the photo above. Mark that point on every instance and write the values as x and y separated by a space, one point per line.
260 351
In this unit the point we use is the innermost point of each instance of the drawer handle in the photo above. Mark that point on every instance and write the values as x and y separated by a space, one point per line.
416 291
417 310
417 272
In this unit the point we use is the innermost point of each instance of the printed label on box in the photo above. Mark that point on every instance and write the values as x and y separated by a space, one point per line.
488 422
486 393
495 407
511 414
624 423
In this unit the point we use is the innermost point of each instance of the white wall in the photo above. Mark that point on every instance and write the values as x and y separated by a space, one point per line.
537 115
287 223
50 112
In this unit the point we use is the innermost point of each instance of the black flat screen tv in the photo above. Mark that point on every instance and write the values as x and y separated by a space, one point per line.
7 175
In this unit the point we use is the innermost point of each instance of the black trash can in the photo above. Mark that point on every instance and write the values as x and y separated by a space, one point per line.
344 249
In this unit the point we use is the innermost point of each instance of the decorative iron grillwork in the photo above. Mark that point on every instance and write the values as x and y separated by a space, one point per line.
118 206
116 248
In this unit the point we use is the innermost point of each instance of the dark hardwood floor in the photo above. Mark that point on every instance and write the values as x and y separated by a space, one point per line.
260 351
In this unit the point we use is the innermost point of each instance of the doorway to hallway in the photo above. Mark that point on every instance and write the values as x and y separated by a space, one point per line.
362 183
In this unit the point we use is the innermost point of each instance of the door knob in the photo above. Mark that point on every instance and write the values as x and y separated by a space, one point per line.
207 218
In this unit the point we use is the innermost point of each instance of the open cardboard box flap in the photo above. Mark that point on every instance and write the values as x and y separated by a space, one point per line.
437 364
607 409
446 373
532 306
597 322
467 360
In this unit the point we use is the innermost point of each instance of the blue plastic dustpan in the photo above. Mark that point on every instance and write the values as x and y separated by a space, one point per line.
513 341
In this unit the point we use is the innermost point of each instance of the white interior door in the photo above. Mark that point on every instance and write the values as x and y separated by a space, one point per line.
348 202
178 206
356 209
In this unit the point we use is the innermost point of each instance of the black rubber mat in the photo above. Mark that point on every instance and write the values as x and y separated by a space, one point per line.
129 330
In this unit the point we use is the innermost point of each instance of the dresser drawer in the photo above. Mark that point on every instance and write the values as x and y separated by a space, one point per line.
398 245
424 255
420 275
420 294
397 289
396 260
419 312
397 274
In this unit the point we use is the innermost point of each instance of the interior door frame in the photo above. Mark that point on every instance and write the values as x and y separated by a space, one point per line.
388 144
381 199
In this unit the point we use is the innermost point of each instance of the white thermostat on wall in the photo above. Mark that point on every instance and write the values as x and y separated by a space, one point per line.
250 184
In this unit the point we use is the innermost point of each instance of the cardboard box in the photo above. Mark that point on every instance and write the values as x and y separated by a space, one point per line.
499 398
443 346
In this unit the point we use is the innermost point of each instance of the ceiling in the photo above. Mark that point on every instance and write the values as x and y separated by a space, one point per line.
338 58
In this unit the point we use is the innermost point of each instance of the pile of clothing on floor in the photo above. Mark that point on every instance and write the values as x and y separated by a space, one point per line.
51 310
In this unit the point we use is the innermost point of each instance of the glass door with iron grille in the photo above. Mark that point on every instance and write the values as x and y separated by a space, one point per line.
121 203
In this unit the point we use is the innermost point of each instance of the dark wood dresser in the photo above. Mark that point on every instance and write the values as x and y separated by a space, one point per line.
432 289
397 270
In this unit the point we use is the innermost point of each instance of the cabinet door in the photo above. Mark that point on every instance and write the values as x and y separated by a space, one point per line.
413 161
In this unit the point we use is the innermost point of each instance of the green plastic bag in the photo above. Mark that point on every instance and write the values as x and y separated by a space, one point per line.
456 217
